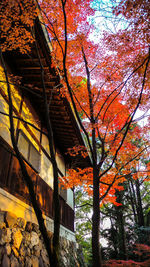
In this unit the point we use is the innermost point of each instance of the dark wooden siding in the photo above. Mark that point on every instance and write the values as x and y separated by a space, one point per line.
11 180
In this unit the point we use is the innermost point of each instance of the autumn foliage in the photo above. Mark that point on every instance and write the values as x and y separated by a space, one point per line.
140 250
16 20
106 84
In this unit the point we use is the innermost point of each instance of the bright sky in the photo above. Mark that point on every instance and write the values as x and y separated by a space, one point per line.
104 20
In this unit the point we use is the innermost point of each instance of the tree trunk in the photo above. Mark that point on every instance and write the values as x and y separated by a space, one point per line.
114 237
139 204
132 199
56 204
121 236
96 221
121 228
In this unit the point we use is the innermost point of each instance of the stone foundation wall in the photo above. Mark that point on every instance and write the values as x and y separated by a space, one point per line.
21 244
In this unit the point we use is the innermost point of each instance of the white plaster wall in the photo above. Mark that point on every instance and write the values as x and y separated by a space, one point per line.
70 198
46 171
29 115
61 165
45 143
60 162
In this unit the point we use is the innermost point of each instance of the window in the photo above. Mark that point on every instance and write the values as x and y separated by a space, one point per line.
30 153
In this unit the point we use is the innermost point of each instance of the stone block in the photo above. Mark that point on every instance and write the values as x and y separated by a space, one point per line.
2 225
14 262
29 252
2 216
35 228
17 237
10 219
8 249
23 251
34 239
36 251
21 223
40 244
45 257
5 236
5 261
29 227
28 262
35 261
26 238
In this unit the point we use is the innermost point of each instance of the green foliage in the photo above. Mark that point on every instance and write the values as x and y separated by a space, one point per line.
83 204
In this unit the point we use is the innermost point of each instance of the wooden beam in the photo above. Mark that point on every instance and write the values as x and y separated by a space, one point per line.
46 83
30 60
33 68
64 130
65 125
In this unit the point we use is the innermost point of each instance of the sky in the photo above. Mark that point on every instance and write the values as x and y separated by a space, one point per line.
104 20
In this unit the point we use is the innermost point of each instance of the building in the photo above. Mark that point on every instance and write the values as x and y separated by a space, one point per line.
31 136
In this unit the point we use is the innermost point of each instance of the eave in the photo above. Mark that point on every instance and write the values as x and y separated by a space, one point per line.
65 128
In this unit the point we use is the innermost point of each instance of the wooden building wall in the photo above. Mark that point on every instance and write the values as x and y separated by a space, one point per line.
34 146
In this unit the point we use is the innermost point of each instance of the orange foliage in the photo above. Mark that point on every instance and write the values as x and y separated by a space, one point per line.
76 150
77 12
141 250
16 20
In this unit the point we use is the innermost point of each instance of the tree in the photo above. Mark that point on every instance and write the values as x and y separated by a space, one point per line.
105 92
104 108
125 228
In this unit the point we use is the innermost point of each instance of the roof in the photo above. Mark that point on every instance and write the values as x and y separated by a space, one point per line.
65 128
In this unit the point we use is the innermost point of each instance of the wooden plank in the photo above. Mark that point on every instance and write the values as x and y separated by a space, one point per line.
33 68
30 61
61 125
47 83
34 75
